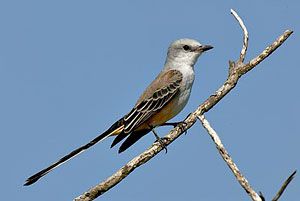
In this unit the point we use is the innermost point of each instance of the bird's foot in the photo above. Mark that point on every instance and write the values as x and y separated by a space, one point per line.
160 140
180 124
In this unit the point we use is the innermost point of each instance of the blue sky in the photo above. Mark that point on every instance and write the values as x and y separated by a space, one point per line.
69 69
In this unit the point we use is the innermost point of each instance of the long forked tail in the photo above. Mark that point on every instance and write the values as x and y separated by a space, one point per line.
113 130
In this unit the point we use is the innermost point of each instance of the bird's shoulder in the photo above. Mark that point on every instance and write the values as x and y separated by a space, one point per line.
164 80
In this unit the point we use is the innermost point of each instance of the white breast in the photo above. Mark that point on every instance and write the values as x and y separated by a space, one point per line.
186 87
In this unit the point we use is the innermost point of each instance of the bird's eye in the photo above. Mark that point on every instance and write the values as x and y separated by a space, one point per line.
186 47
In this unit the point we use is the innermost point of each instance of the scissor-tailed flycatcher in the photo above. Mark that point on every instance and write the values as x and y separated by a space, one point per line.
164 98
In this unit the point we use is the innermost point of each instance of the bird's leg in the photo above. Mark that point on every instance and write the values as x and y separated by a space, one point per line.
174 124
181 124
158 139
161 141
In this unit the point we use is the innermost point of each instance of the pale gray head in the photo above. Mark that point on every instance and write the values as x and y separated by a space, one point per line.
185 51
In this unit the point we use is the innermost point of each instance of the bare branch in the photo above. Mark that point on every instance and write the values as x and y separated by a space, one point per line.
234 75
284 185
236 70
267 52
246 36
233 167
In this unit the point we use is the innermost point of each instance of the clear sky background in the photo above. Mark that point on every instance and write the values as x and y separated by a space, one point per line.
69 69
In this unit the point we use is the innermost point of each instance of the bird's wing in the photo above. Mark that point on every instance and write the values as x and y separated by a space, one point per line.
158 94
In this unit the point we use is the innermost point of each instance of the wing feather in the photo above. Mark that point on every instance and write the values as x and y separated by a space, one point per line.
158 94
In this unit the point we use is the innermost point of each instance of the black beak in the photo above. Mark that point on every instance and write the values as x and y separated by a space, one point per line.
204 48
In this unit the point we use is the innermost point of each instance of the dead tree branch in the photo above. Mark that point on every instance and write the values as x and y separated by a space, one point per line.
233 167
226 157
240 69
236 71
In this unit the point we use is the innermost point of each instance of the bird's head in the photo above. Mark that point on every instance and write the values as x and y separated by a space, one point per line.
186 51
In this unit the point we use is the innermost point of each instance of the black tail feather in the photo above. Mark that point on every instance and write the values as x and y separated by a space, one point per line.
119 138
132 138
77 151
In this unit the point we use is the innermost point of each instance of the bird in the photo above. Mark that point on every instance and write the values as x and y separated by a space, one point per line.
163 99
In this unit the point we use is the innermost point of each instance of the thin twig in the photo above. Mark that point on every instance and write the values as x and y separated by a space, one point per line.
284 185
233 167
246 36
139 160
